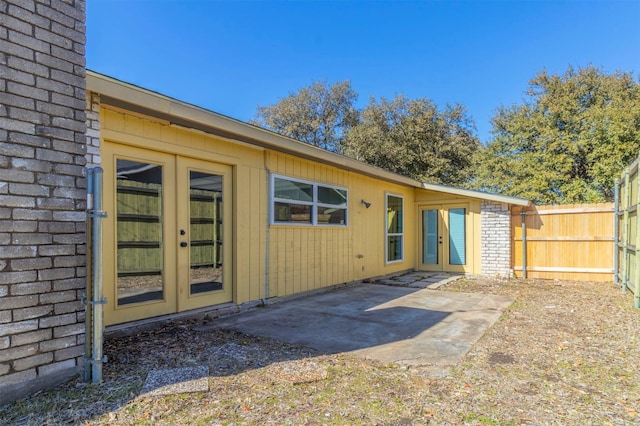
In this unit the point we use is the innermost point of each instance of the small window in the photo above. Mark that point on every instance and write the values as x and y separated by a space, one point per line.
307 203
395 229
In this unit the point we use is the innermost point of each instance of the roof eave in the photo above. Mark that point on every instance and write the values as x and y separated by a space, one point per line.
477 194
185 114
148 102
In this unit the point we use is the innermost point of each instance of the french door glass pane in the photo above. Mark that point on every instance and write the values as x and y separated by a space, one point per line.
205 233
139 232
457 240
430 237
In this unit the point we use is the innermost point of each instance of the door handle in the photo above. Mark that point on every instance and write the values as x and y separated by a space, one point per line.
183 244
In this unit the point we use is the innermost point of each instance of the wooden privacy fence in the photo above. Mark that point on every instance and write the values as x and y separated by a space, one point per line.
567 242
627 256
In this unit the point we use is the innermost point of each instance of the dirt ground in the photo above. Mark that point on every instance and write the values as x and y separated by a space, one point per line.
564 353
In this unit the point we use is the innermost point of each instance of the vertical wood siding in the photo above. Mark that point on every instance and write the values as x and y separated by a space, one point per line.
304 258
301 258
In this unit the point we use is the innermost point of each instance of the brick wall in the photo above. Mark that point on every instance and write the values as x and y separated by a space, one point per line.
93 130
495 224
42 193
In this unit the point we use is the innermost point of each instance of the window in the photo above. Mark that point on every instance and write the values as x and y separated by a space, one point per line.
394 229
300 202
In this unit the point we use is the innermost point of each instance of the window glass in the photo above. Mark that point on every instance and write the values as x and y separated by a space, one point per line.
205 232
457 241
394 248
139 232
296 213
308 203
292 190
334 196
430 237
332 216
395 237
394 214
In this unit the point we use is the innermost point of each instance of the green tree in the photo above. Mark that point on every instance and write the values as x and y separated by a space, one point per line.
414 138
319 114
567 143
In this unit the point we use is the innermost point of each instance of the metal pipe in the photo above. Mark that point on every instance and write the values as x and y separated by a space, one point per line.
96 259
88 311
616 231
266 245
523 213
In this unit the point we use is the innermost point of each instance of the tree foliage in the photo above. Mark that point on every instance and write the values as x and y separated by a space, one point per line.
414 138
567 143
319 114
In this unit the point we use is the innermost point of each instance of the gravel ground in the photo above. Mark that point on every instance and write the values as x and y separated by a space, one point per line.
564 353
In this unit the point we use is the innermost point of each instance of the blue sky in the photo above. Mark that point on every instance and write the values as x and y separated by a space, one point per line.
231 56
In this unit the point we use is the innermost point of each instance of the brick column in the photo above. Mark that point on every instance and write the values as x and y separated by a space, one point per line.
42 193
495 225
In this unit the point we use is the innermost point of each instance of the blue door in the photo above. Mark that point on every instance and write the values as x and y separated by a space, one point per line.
457 236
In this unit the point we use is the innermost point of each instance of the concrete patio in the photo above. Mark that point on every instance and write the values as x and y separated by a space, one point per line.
397 319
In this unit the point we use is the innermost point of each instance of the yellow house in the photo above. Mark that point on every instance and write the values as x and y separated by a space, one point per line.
204 210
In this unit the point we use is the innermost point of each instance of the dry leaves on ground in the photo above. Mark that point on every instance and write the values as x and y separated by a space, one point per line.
563 353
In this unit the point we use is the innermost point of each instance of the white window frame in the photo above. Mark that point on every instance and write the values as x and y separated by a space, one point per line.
314 204
393 234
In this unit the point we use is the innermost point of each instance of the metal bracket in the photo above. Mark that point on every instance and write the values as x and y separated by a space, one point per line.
97 361
98 213
102 301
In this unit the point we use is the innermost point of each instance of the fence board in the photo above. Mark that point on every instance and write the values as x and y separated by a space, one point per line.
627 189
568 242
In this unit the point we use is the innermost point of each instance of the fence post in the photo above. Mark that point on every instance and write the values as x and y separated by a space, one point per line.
524 243
636 243
616 230
625 235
